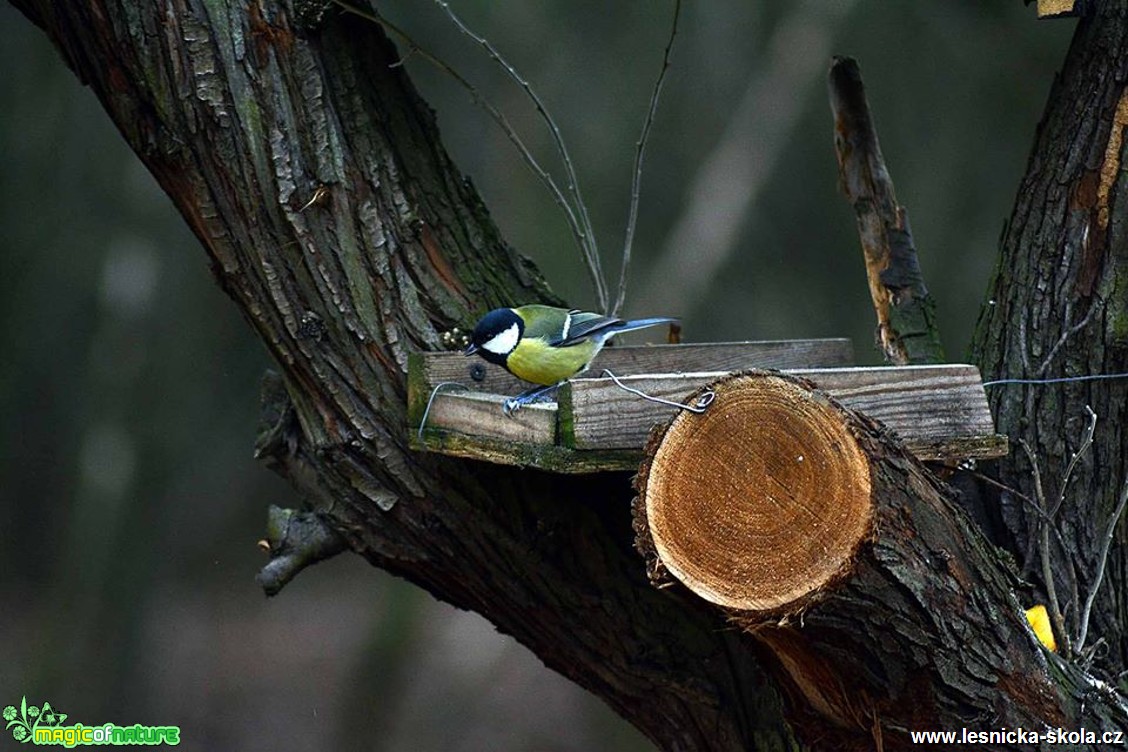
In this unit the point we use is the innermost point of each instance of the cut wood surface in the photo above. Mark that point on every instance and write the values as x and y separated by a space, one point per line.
836 552
762 501
936 410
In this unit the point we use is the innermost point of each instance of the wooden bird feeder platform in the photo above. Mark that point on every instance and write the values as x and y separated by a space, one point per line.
940 412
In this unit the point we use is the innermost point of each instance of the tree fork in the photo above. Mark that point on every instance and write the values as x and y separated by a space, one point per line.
312 173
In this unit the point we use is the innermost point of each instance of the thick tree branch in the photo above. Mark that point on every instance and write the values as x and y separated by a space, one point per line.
243 120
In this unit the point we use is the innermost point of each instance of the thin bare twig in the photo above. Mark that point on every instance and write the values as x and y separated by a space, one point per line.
579 234
1044 543
1083 627
1086 443
733 176
1069 332
636 181
1046 525
1030 503
1033 506
589 246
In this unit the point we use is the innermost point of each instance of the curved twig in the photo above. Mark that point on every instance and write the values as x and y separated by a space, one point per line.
589 246
579 233
1083 627
636 181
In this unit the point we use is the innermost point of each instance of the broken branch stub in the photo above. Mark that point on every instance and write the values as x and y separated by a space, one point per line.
906 313
761 500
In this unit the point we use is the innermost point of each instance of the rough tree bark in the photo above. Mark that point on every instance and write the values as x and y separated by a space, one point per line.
312 174
244 119
1058 307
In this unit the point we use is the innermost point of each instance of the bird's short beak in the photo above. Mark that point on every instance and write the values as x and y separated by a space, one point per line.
470 350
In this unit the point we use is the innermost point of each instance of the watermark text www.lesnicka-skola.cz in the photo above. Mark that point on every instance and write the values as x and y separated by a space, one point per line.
45 725
1019 736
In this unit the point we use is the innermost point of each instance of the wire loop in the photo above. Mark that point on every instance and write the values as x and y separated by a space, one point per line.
703 400
431 401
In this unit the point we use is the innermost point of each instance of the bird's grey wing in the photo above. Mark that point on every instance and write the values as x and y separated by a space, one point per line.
582 325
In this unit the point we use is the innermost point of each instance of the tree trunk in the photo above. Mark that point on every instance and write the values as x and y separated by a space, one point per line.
312 174
1058 308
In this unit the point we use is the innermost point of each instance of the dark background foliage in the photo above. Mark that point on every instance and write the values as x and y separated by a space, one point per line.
129 501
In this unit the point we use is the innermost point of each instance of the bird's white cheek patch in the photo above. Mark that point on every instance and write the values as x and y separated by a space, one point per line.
503 343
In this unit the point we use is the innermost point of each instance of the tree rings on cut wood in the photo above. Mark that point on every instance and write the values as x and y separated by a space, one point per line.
761 500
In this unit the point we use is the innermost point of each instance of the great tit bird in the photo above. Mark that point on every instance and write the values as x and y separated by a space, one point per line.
546 345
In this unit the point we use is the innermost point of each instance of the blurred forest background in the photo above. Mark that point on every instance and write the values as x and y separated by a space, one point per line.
129 500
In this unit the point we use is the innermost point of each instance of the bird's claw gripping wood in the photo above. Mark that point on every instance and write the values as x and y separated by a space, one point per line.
513 404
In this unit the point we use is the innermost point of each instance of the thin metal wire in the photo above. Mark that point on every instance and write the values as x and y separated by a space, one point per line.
1062 380
703 400
431 401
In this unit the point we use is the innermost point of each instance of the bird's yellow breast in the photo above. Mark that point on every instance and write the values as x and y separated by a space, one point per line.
536 361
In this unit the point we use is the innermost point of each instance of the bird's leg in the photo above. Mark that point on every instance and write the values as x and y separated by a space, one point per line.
513 404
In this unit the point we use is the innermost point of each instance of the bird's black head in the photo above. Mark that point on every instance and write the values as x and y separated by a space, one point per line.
496 335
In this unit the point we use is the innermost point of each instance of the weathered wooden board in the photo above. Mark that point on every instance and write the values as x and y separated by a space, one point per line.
471 424
480 415
938 411
425 370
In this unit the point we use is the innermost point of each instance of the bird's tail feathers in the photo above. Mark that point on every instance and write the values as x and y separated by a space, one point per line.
630 326
603 327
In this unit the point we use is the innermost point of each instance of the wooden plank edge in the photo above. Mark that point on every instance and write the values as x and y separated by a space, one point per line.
987 447
480 414
826 352
418 390
551 458
663 384
563 457
907 372
547 455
